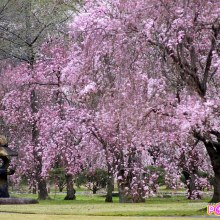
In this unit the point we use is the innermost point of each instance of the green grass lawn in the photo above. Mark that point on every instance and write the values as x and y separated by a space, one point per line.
82 217
91 205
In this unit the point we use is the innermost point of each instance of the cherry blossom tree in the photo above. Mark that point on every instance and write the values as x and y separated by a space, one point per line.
187 162
119 89
172 45
32 91
187 35
137 85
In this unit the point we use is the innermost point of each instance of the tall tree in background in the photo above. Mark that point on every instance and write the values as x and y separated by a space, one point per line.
21 37
26 24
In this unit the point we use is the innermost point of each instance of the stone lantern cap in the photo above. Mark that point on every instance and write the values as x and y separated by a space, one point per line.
4 149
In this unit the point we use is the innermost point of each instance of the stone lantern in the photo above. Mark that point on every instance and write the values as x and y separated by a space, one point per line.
5 154
5 157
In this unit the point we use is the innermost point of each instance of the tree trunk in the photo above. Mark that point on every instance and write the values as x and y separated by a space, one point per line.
70 190
214 154
60 189
34 189
191 185
125 196
110 189
216 195
42 189
194 194
94 189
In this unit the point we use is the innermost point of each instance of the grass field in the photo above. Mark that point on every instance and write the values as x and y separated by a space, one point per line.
94 207
69 217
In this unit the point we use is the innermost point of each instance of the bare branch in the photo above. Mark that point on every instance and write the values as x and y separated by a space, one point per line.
215 30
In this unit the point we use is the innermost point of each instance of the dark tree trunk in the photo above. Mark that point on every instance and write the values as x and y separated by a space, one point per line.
34 189
94 190
214 154
60 189
70 190
193 190
42 189
125 196
110 188
216 195
191 186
